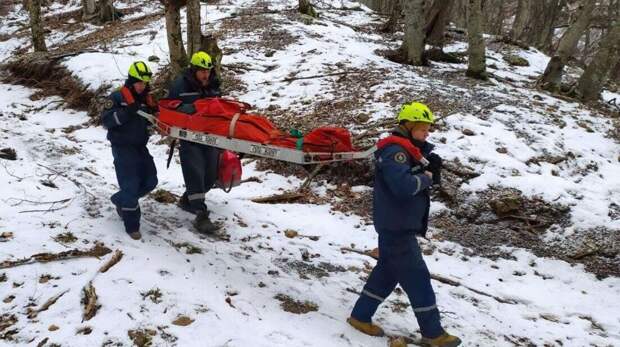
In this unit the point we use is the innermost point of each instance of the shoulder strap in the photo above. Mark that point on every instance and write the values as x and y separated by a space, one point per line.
127 96
406 144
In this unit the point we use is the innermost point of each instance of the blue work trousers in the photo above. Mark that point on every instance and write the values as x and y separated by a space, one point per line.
400 262
137 176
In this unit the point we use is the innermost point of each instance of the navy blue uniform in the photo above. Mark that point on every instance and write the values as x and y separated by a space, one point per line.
135 169
198 162
400 211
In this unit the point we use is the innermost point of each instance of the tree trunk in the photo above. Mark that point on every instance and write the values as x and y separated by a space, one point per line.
99 11
437 21
306 8
494 16
413 43
107 12
178 57
89 10
477 66
194 33
459 13
550 11
395 10
521 18
208 44
552 77
36 26
593 78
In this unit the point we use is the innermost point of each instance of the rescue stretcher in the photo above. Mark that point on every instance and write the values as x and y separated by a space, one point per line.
198 127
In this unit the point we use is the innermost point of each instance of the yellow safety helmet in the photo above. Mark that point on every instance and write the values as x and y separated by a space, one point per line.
416 112
201 60
140 71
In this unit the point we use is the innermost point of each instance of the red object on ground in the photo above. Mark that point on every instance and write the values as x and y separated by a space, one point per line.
228 118
229 171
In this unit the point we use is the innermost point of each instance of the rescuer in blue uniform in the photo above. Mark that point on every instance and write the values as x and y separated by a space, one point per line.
401 204
128 133
198 162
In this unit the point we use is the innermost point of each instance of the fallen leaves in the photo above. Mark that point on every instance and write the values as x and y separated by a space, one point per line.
182 321
290 233
163 196
53 327
65 238
154 295
141 337
291 305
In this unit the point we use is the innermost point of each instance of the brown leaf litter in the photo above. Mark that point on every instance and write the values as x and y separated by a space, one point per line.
291 305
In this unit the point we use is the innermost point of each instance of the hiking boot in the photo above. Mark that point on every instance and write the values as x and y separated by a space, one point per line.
443 340
135 234
366 328
203 224
184 204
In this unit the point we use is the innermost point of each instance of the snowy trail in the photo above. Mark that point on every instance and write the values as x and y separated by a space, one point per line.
229 288
552 301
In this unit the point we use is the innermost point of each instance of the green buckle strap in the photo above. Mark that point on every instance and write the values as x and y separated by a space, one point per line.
299 144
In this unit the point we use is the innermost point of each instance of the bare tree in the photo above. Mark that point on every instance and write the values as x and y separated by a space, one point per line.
394 9
36 26
459 13
437 20
193 26
413 43
178 56
596 73
306 8
99 11
521 19
477 65
494 16
543 23
552 76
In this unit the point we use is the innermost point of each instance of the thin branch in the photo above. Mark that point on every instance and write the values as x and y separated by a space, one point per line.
290 79
50 209
33 314
438 278
96 251
20 201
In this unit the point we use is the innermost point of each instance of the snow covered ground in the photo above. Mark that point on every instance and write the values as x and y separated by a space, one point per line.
232 289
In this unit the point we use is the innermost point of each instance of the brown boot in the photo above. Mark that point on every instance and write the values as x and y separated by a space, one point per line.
443 340
366 328
135 234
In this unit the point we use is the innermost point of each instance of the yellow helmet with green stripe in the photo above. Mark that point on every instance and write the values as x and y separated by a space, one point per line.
416 112
201 60
140 71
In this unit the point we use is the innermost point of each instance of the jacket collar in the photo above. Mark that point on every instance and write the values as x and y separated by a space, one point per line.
424 146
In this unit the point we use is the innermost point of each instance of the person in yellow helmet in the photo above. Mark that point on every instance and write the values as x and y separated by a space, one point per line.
401 204
128 134
198 161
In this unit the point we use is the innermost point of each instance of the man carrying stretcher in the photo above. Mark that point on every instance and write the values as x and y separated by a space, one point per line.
199 162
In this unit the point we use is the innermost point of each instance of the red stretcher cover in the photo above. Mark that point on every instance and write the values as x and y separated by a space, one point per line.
214 116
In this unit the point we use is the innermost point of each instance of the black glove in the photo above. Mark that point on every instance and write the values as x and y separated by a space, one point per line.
133 108
434 166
